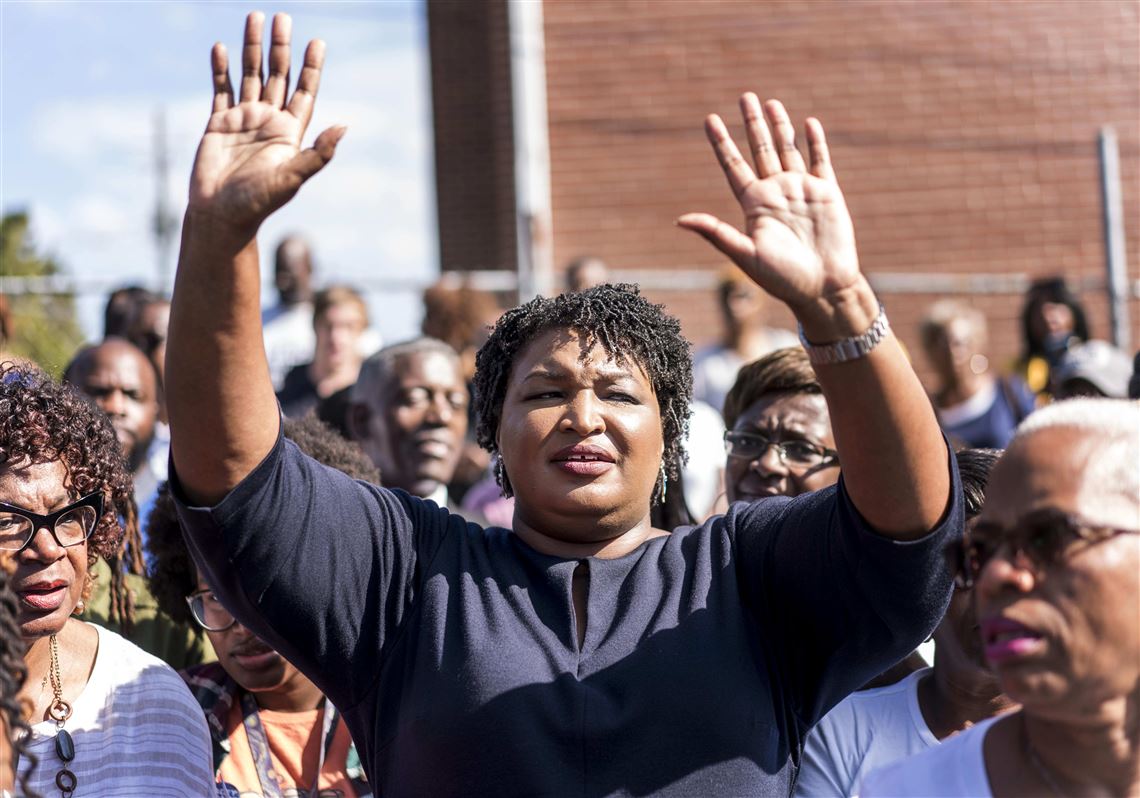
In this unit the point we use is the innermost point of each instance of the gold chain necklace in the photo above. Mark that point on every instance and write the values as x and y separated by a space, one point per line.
60 711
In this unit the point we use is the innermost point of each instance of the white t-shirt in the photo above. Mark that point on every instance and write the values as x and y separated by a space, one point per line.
137 731
705 447
864 731
954 769
289 338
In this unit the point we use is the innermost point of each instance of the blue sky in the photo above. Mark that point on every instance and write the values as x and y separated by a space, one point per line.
82 82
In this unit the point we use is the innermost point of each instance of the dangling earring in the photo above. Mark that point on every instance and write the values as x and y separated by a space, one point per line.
662 484
501 477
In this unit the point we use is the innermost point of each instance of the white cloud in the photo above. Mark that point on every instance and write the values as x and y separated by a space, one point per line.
369 213
99 216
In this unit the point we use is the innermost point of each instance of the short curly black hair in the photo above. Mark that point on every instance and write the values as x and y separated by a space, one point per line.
42 421
624 323
172 575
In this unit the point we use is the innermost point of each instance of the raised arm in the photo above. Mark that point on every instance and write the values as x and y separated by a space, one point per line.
223 413
799 246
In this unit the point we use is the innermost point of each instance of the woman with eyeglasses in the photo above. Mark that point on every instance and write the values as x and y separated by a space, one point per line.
779 440
273 731
1054 562
582 650
106 717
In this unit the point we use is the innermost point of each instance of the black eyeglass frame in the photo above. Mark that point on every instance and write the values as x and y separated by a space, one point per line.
828 457
201 594
967 557
93 500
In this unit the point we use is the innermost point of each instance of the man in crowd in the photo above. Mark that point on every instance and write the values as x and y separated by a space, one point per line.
122 307
340 319
120 379
586 272
288 325
409 413
1094 368
746 338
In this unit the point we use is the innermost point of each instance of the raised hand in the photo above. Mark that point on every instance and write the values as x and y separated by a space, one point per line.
250 162
798 244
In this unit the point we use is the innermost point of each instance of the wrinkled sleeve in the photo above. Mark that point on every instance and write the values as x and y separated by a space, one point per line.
320 566
834 602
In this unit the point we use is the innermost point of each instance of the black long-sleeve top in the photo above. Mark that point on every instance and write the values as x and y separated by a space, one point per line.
452 652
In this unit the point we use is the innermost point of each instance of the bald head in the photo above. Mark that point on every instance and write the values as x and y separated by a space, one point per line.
293 271
120 379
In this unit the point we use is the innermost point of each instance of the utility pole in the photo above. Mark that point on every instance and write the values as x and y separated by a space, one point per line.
1115 260
164 224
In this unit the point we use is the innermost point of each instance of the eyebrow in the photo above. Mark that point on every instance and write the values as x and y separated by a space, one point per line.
57 504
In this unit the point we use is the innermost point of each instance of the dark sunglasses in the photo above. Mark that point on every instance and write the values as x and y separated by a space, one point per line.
1044 537
70 525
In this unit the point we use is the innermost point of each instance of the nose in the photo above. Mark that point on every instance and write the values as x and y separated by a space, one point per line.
439 410
1006 570
44 546
769 461
240 630
582 415
113 403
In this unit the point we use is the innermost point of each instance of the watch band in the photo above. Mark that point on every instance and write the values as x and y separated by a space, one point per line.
848 348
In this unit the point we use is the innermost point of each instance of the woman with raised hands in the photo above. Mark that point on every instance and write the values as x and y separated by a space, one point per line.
581 650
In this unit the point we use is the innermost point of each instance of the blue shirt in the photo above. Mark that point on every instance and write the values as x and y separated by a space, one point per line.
452 653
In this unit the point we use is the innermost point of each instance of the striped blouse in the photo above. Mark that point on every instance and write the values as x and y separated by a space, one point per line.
137 730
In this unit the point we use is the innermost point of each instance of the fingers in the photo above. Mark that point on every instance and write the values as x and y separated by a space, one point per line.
251 74
817 150
784 136
278 84
308 162
301 105
723 236
738 173
759 137
223 89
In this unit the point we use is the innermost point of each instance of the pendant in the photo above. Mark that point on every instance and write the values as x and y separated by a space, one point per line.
64 746
66 782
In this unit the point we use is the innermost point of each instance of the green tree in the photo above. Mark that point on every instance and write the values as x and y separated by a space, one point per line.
42 326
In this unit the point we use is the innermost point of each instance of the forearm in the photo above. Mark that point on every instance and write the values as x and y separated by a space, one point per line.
891 448
222 409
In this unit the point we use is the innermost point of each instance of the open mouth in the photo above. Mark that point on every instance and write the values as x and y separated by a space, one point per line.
1006 640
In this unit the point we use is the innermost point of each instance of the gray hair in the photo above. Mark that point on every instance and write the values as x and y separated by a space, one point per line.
1115 423
376 370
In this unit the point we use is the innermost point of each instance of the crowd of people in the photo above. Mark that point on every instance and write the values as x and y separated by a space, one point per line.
547 550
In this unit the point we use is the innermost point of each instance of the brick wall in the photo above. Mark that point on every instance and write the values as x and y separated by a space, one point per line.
474 136
964 135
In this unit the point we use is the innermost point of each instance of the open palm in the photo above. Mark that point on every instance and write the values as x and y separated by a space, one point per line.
798 243
250 161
